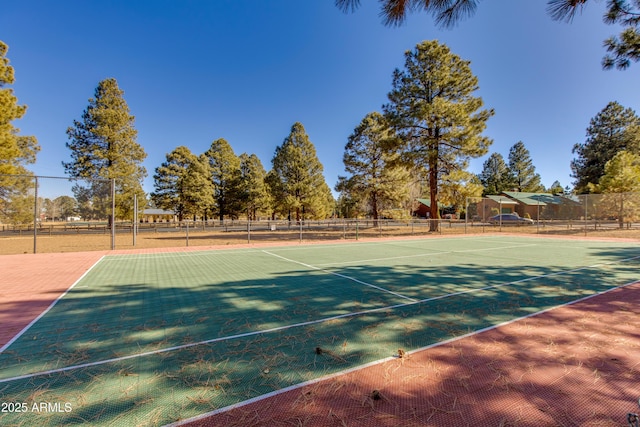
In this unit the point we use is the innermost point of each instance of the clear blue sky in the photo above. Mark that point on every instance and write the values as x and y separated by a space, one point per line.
246 70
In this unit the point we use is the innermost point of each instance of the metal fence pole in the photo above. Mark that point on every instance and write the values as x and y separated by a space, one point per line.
585 214
466 213
113 213
135 218
35 217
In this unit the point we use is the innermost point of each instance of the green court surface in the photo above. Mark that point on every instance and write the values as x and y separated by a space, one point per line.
157 338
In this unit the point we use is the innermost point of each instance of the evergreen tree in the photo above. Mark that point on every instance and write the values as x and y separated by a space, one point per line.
620 184
103 146
182 184
16 151
495 176
523 173
376 175
225 175
621 174
622 49
556 188
253 187
433 109
457 187
613 129
296 180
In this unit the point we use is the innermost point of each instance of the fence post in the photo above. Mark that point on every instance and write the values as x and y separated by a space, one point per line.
113 213
35 217
344 228
585 214
135 218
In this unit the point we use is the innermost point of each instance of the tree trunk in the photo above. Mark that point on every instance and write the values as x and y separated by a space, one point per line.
374 208
433 189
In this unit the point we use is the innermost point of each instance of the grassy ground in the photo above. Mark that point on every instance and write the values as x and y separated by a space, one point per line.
102 241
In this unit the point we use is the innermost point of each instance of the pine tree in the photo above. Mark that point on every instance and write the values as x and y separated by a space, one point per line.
296 181
620 184
457 187
495 176
433 109
103 147
556 188
182 184
376 175
253 188
613 129
16 151
225 175
521 170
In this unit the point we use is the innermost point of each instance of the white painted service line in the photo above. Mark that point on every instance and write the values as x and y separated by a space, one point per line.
341 275
423 255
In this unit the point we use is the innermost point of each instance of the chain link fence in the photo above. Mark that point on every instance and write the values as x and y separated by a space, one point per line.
41 209
53 214
556 214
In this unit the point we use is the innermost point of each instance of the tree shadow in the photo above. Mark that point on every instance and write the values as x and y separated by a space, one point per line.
215 341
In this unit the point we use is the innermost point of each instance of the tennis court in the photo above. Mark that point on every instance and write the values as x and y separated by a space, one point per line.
152 339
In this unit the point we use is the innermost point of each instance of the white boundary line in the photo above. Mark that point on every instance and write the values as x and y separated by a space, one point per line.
26 328
341 275
377 362
310 322
424 255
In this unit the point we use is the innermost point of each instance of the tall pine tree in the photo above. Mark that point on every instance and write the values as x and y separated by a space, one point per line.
495 176
433 109
182 184
296 180
103 146
376 177
613 129
16 151
522 171
225 176
253 187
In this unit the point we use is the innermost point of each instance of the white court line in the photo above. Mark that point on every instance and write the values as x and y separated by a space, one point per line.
378 362
340 275
424 255
26 328
326 319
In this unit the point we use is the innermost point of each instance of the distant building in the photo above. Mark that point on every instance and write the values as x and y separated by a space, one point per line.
531 205
158 215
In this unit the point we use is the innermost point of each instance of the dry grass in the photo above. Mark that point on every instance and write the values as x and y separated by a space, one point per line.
150 240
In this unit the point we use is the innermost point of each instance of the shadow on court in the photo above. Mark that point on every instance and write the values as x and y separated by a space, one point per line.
125 351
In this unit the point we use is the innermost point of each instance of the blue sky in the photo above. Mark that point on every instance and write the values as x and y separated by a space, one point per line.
246 70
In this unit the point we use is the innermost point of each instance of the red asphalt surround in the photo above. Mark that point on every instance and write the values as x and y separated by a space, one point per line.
575 365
